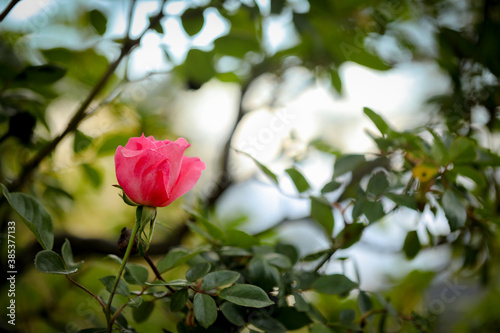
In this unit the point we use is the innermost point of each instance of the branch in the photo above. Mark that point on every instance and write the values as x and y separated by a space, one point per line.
103 306
7 9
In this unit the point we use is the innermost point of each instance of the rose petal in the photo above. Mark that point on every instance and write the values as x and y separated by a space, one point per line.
190 173
174 152
143 176
140 143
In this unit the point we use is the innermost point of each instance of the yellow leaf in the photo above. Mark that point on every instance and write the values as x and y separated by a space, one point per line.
425 172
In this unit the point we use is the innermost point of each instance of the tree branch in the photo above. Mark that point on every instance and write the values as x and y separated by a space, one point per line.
7 9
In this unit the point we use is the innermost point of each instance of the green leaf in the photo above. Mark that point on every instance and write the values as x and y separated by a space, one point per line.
438 149
471 173
43 74
412 245
330 187
277 6
232 251
262 167
403 200
320 328
322 213
263 274
240 239
93 175
351 234
300 303
174 258
246 295
205 309
289 251
298 179
234 313
48 261
454 210
347 316
266 323
378 184
214 231
173 283
111 142
462 150
136 274
179 299
364 302
198 271
377 120
347 163
93 330
219 279
192 20
278 260
373 210
335 284
335 80
81 142
135 302
121 288
98 21
198 66
67 255
34 215
315 256
142 313
156 26
292 318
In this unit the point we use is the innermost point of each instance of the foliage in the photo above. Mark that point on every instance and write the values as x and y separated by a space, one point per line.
224 279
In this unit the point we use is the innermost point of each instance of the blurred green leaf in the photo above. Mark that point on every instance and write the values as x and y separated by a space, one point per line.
263 321
381 124
412 245
289 251
121 288
403 200
219 279
454 210
471 173
136 274
93 175
277 6
43 74
330 187
111 142
234 313
336 81
292 319
48 261
198 271
347 163
438 150
321 212
298 179
198 66
34 215
278 260
178 300
263 274
320 328
378 184
246 295
364 302
135 302
300 303
192 20
462 150
335 284
67 255
81 141
98 21
240 239
205 309
142 313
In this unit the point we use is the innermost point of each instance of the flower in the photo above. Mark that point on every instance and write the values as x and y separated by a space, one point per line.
154 172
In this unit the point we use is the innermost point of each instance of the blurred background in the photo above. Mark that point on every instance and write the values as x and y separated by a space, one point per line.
284 81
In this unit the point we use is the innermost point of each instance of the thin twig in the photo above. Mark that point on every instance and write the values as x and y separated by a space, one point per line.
157 273
7 9
101 303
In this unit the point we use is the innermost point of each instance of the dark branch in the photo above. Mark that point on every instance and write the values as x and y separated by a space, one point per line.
7 9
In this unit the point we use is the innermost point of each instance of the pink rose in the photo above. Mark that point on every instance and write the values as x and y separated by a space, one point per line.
155 173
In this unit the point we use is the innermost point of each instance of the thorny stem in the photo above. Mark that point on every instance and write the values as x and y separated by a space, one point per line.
120 272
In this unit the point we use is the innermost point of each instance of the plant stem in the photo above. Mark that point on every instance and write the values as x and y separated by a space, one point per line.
101 303
120 272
